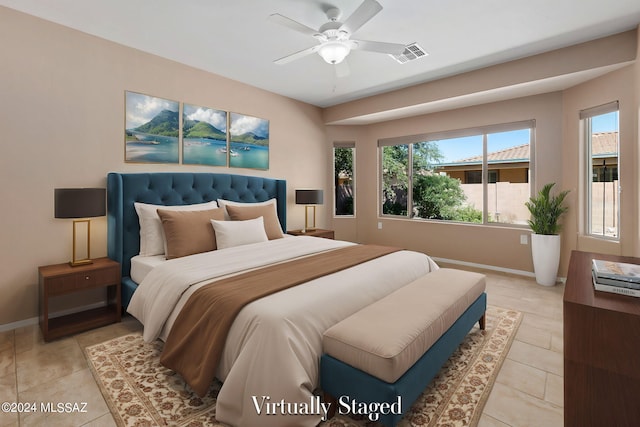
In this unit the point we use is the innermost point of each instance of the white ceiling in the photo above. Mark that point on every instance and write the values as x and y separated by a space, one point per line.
234 38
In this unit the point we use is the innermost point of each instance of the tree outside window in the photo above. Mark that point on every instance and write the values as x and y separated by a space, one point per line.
343 157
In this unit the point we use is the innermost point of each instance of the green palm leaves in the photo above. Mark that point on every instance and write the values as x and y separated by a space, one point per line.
546 210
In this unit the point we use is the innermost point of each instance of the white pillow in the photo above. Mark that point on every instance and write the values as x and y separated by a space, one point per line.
236 233
151 234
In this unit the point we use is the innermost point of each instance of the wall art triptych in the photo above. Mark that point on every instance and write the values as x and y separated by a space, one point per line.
209 137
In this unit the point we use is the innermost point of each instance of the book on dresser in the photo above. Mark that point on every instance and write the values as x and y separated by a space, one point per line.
619 271
616 289
615 286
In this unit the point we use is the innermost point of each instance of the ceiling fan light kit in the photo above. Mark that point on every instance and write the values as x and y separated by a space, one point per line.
334 36
334 52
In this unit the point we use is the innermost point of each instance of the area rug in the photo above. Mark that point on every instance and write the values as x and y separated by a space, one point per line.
141 392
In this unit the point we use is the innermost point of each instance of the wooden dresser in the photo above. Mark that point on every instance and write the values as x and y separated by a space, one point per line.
601 350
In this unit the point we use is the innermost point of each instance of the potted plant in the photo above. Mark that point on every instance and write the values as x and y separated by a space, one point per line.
545 211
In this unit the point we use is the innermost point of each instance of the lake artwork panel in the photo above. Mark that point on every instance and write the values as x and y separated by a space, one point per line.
248 142
204 136
151 129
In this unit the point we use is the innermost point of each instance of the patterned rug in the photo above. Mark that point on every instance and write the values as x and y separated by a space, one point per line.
141 392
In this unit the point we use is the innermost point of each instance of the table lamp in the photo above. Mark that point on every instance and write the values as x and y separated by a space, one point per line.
80 203
310 198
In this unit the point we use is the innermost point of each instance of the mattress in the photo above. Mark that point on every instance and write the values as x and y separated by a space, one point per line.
142 265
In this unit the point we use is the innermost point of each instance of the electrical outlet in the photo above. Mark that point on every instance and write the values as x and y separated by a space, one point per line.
379 225
524 239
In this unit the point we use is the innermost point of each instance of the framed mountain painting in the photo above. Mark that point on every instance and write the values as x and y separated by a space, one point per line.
204 136
151 129
248 142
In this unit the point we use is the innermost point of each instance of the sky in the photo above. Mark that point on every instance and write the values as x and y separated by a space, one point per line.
142 108
605 123
461 148
241 124
215 118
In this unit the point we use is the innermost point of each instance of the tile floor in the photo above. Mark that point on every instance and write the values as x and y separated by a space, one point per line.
528 390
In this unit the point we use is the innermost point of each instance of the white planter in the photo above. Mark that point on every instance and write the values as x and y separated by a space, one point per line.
545 250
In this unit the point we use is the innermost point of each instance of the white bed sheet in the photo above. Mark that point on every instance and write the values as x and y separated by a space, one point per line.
274 346
142 265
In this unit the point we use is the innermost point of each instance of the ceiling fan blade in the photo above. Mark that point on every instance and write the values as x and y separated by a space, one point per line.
291 24
297 55
367 10
380 47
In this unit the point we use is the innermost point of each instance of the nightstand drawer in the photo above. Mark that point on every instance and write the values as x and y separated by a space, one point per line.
82 280
90 279
61 285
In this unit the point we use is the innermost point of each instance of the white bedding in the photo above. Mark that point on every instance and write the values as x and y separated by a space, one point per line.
275 343
142 265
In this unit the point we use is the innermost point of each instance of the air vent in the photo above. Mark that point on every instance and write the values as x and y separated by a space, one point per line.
411 53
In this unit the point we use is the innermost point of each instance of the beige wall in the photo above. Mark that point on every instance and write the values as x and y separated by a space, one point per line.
62 121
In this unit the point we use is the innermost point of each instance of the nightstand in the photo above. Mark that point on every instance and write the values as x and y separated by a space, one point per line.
318 232
62 279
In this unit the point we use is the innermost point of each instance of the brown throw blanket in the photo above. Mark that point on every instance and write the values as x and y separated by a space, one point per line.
194 345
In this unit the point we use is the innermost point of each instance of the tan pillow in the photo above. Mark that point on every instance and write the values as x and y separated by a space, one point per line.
189 232
267 212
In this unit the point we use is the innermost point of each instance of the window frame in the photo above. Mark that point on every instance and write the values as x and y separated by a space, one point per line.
586 117
482 131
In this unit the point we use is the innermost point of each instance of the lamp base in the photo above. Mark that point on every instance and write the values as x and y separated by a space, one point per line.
306 219
75 262
79 262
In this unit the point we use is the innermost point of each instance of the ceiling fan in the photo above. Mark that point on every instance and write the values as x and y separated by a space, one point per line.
334 37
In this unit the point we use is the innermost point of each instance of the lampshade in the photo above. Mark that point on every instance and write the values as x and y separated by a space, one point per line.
309 197
80 202
334 52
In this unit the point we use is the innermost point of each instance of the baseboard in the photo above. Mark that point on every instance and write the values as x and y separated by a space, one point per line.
490 267
35 320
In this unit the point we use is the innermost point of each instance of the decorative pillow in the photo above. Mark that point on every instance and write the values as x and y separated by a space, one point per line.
251 211
224 203
151 234
236 233
189 232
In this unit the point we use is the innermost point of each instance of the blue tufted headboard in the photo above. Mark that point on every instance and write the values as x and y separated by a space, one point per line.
174 188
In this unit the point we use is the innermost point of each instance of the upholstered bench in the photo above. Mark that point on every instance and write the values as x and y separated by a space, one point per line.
389 351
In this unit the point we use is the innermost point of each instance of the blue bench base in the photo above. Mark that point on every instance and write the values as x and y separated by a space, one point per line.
338 379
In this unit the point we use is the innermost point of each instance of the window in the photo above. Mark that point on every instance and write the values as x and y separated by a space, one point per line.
602 180
508 154
478 175
343 171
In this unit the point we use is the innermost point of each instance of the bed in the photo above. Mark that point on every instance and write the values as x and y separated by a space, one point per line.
273 347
